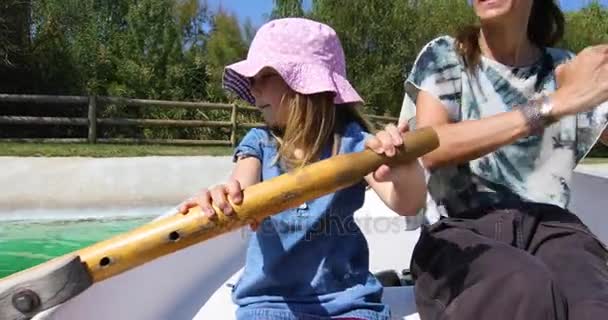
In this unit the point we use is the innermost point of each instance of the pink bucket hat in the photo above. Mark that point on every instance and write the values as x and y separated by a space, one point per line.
307 54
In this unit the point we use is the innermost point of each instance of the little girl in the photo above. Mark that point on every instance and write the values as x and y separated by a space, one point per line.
307 262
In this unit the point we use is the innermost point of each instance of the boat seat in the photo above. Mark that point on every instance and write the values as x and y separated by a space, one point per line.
390 278
220 305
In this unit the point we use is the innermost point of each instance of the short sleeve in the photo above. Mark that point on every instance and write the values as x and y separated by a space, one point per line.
437 71
589 128
354 138
251 145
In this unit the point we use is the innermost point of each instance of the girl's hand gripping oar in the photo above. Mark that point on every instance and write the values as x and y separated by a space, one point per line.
25 294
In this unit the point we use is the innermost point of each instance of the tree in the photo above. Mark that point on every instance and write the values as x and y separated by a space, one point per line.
586 27
126 48
249 31
163 49
381 40
287 8
134 48
14 44
14 29
225 46
192 16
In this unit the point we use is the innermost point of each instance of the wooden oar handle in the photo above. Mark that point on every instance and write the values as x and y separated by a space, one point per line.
261 200
150 241
327 176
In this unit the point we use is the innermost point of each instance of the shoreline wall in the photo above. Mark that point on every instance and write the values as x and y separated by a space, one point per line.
28 183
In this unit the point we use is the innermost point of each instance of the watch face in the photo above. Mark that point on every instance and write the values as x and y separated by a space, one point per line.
546 107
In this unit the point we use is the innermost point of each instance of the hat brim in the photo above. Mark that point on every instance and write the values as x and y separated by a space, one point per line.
304 78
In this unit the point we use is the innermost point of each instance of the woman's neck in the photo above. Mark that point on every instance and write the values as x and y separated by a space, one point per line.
509 46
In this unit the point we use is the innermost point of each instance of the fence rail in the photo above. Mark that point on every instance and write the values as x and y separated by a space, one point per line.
92 121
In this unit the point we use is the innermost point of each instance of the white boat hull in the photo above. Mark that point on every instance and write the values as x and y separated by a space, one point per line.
169 288
177 286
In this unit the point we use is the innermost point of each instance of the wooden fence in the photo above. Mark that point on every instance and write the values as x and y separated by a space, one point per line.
92 120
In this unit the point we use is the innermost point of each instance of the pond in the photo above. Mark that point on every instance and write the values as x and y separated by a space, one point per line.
30 238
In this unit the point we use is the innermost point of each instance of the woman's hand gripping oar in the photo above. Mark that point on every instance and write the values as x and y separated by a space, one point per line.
25 294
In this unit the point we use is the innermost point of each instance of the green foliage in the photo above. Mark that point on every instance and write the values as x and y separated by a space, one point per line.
287 8
249 31
152 49
126 48
382 38
225 46
177 49
586 27
14 21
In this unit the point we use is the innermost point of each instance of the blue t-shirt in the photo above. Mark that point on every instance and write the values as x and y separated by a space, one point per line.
309 262
537 168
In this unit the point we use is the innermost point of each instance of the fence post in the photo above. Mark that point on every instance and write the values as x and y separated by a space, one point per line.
234 125
92 119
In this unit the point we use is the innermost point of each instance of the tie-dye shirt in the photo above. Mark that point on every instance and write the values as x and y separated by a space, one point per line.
537 168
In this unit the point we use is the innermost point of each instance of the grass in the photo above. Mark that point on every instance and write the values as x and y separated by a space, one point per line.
595 160
123 150
106 150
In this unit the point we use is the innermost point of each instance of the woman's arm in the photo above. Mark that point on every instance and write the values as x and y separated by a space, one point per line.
467 140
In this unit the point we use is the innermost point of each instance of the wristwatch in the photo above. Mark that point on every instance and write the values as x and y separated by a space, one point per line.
546 109
538 114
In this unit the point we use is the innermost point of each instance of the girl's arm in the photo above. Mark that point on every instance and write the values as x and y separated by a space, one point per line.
405 191
402 188
247 171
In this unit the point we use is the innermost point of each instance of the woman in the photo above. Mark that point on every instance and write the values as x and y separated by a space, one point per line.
509 140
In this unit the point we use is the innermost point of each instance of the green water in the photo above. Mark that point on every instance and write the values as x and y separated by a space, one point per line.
24 244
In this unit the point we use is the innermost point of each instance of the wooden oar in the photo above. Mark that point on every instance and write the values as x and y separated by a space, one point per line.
26 293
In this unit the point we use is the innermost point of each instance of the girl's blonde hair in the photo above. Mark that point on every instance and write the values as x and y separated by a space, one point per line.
313 122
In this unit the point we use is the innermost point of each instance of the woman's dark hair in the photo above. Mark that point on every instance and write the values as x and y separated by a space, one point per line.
545 29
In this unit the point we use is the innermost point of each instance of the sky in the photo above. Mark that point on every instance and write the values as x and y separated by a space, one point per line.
258 10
